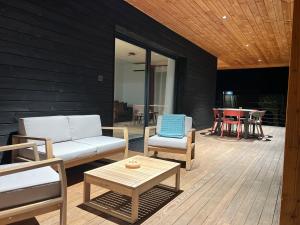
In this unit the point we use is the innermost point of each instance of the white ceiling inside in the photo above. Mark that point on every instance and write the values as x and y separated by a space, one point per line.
123 50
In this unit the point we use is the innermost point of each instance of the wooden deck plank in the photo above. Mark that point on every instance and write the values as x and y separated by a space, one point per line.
224 185
231 182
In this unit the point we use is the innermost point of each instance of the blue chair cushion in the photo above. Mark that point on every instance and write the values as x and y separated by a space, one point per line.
173 126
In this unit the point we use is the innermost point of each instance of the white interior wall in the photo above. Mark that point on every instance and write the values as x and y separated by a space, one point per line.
129 84
118 92
133 85
169 93
160 88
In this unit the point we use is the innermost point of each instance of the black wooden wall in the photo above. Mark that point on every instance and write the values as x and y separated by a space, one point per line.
52 51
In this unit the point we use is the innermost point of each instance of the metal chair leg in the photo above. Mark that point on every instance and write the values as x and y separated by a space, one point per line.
261 131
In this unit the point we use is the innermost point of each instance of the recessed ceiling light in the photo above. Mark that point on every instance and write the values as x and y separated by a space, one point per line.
247 45
224 17
131 53
259 60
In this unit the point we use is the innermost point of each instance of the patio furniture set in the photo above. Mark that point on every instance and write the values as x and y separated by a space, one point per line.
226 119
35 182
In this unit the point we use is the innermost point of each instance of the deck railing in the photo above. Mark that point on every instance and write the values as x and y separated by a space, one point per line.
273 104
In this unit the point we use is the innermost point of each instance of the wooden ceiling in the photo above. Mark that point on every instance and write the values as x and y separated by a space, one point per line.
241 33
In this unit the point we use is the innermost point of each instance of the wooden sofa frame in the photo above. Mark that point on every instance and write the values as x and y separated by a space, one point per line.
189 152
30 210
71 163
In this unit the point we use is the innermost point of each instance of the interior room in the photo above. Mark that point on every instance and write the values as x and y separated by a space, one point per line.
130 87
150 112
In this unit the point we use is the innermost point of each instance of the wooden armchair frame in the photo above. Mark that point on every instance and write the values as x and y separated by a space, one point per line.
34 209
125 137
16 139
189 152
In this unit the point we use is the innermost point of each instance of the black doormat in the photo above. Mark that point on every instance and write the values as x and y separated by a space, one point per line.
31 221
149 203
136 145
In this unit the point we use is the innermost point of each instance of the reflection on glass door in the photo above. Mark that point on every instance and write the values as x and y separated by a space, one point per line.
131 87
129 90
161 91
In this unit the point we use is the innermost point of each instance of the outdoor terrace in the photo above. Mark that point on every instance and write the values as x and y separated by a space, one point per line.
231 182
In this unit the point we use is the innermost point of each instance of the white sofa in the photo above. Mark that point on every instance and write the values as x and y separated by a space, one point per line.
75 139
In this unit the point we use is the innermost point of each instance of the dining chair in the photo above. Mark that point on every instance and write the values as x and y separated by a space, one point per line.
217 119
138 113
232 117
256 121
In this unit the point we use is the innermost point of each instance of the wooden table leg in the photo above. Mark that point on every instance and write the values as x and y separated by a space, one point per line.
135 207
86 192
177 180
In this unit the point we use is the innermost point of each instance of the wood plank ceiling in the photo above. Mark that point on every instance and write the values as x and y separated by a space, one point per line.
241 33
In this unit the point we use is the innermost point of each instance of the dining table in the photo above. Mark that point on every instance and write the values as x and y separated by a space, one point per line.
246 119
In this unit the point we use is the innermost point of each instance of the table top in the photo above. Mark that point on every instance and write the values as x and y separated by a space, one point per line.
237 109
133 178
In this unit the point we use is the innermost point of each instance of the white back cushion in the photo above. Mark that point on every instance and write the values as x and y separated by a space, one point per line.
85 126
54 127
188 124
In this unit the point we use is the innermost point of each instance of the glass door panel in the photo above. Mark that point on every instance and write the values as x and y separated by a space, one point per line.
129 88
161 91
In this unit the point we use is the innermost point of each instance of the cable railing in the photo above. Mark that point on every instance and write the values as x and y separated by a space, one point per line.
274 105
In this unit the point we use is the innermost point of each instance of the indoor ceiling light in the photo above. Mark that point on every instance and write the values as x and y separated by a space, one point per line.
259 60
224 17
247 45
131 53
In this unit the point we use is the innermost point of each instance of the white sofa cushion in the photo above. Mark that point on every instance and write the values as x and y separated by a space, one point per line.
188 124
54 127
68 150
104 143
28 186
158 141
85 126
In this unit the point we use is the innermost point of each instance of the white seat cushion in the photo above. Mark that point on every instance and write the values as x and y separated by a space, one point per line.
158 141
54 127
188 124
28 186
104 143
68 150
85 126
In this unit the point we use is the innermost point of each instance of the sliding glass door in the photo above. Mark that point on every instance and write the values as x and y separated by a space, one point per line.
161 91
144 82
129 90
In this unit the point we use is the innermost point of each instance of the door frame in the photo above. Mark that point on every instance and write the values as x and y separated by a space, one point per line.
149 50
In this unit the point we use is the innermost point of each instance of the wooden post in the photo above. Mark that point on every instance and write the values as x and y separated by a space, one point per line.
290 205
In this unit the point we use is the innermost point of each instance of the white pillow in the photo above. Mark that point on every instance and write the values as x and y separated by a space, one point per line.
83 126
54 127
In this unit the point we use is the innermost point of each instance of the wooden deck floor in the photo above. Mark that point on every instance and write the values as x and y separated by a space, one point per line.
231 182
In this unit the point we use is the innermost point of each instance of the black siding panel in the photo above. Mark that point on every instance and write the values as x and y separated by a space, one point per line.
52 51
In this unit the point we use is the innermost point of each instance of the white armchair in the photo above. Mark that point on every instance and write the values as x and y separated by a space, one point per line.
185 145
31 188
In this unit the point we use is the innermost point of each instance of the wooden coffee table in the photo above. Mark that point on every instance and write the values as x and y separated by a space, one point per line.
130 182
